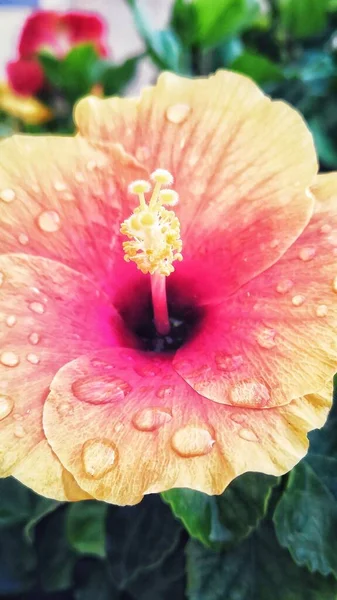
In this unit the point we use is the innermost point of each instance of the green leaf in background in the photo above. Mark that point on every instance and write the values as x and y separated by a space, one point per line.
163 46
17 562
306 517
257 569
19 505
42 508
85 523
206 23
324 440
140 538
56 557
94 582
114 78
258 67
303 18
225 519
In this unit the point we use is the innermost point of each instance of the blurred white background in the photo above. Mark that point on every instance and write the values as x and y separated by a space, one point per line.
123 38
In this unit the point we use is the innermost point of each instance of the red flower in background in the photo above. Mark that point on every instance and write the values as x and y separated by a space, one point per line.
58 33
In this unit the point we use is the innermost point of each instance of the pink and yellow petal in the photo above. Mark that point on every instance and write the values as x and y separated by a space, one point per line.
130 426
49 314
241 165
62 199
43 473
276 339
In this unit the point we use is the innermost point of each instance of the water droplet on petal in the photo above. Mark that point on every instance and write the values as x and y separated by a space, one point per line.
23 239
7 195
37 308
178 113
306 254
248 435
9 359
11 321
321 310
164 391
60 186
19 431
226 362
326 228
284 286
98 457
192 441
147 370
334 285
6 406
33 358
101 389
266 338
298 300
150 419
250 393
34 338
49 221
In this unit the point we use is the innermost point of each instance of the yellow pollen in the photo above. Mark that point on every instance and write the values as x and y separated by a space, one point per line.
153 232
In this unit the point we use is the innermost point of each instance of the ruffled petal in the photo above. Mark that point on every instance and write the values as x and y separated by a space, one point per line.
276 339
130 426
49 315
241 165
25 76
62 199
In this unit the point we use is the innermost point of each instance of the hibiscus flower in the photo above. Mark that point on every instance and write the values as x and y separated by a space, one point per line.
212 358
57 33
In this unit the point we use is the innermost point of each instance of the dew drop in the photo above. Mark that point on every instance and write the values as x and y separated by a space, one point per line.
60 186
34 338
33 358
266 338
321 310
150 419
9 359
192 441
6 406
98 457
64 409
226 362
147 370
101 389
334 285
250 394
298 300
284 286
49 221
248 435
19 431
23 239
307 254
11 321
326 228
164 391
7 195
178 113
37 308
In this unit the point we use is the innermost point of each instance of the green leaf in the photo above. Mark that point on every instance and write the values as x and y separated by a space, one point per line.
324 440
114 78
257 569
139 538
303 18
163 46
55 555
95 583
17 562
258 67
19 505
327 152
42 508
205 23
225 519
306 517
51 67
85 525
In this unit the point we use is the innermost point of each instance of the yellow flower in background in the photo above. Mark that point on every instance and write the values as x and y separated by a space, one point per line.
26 108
